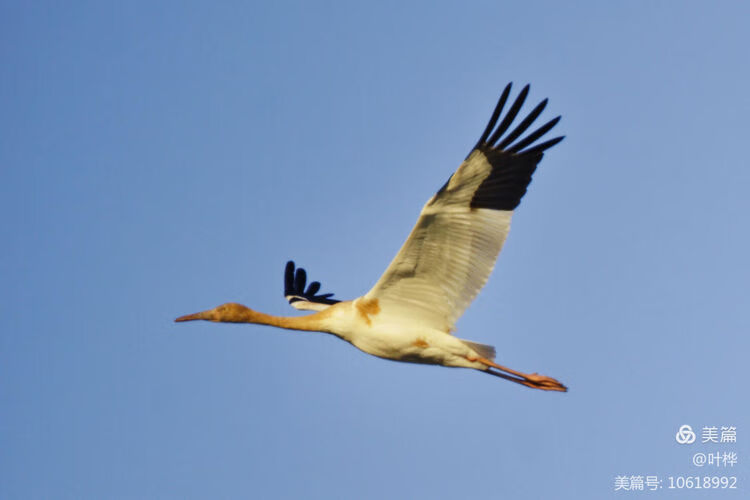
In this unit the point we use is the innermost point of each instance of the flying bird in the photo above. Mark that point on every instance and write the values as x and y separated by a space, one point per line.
410 313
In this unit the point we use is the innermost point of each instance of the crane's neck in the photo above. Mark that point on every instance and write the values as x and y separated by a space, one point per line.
310 323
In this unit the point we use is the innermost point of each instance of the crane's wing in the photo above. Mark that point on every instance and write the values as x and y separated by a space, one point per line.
451 251
298 297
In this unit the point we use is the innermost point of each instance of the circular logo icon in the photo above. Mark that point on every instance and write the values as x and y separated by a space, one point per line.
685 435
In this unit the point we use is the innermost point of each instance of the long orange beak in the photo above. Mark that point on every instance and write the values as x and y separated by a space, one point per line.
205 315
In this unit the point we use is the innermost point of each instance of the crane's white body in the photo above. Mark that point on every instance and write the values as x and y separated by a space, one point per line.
380 333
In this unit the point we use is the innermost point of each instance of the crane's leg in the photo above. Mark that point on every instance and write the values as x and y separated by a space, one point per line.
533 380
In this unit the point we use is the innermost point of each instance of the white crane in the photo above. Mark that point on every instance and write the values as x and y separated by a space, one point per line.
410 312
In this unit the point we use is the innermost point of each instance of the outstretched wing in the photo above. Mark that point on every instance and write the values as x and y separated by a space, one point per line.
452 250
298 297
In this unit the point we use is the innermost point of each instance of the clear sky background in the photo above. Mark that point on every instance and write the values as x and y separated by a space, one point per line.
158 159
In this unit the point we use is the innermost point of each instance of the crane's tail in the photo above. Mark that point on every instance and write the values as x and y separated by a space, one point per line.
485 351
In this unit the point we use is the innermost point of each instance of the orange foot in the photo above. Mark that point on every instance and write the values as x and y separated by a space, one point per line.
543 382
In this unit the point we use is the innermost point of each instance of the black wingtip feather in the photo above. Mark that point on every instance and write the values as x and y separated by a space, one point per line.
534 135
300 278
289 278
506 144
512 164
521 128
495 114
512 112
294 287
539 148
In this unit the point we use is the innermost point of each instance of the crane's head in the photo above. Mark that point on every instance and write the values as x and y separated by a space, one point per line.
225 313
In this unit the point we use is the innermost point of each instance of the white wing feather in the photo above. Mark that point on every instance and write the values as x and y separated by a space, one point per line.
449 254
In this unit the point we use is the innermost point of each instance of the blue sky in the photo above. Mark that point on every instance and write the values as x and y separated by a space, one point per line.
157 160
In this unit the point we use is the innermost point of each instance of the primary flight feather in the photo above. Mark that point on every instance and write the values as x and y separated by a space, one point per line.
410 312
